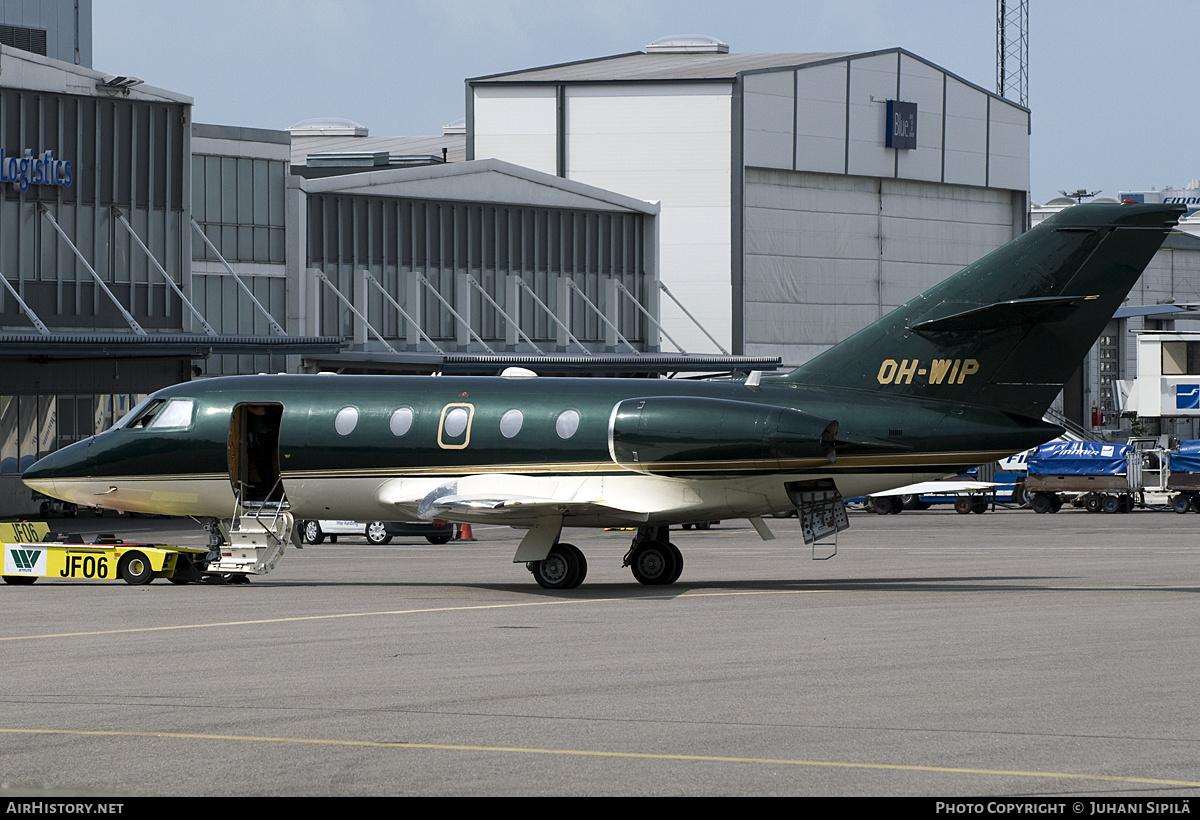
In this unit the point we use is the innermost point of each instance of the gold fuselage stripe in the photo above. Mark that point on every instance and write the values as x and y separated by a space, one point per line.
893 461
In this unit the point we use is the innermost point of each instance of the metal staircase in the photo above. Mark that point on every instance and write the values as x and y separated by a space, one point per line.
1074 431
255 536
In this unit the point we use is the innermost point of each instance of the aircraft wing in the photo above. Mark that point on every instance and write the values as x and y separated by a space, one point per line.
513 507
511 499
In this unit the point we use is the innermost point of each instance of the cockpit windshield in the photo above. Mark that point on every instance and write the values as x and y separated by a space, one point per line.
160 414
136 411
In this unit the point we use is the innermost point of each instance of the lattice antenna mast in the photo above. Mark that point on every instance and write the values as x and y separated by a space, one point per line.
1012 50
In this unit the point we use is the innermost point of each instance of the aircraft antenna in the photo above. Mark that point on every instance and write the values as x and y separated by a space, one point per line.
1012 50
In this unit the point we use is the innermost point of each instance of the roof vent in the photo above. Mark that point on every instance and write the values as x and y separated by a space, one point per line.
688 44
328 127
348 159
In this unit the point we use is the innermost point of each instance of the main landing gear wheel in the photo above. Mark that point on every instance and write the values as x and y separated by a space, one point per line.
564 568
312 533
377 534
656 563
135 569
678 563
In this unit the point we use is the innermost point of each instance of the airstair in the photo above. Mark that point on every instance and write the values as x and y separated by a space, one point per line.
255 536
1074 431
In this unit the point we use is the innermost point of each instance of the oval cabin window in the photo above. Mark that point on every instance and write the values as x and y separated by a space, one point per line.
567 424
346 420
456 422
401 421
510 423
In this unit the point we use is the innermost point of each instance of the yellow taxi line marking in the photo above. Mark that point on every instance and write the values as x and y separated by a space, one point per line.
623 755
465 608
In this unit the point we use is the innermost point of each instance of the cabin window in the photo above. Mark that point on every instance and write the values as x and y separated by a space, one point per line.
346 420
567 424
456 422
510 423
401 421
454 427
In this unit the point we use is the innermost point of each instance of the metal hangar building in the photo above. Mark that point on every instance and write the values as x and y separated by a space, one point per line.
803 195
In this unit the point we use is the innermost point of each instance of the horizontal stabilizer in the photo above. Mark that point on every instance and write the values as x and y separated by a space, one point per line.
1005 314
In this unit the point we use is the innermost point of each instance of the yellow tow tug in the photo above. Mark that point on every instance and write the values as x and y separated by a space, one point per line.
27 557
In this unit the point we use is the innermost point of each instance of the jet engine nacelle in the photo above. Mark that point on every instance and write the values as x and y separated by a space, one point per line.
684 434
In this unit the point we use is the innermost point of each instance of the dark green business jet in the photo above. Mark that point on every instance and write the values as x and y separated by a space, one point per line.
961 375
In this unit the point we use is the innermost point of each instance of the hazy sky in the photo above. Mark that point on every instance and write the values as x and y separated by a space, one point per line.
1114 103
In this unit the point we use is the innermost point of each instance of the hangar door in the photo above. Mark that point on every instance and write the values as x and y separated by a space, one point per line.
827 254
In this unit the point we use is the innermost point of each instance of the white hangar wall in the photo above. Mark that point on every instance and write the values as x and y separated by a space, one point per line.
670 144
828 254
667 142
839 229
522 125
830 116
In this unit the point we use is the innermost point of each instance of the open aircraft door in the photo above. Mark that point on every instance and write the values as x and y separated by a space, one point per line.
254 451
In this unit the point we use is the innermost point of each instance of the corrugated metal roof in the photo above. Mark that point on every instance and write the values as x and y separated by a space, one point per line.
639 66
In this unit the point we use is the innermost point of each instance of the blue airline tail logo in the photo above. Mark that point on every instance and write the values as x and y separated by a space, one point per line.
1187 396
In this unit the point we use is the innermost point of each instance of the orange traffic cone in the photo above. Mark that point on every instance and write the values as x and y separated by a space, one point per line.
465 534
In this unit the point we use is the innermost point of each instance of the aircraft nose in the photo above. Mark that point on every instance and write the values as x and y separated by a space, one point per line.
69 462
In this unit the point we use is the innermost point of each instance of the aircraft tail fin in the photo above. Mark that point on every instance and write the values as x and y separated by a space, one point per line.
1008 330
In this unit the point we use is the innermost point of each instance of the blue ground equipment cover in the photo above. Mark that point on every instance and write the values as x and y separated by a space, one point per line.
1079 458
1187 458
